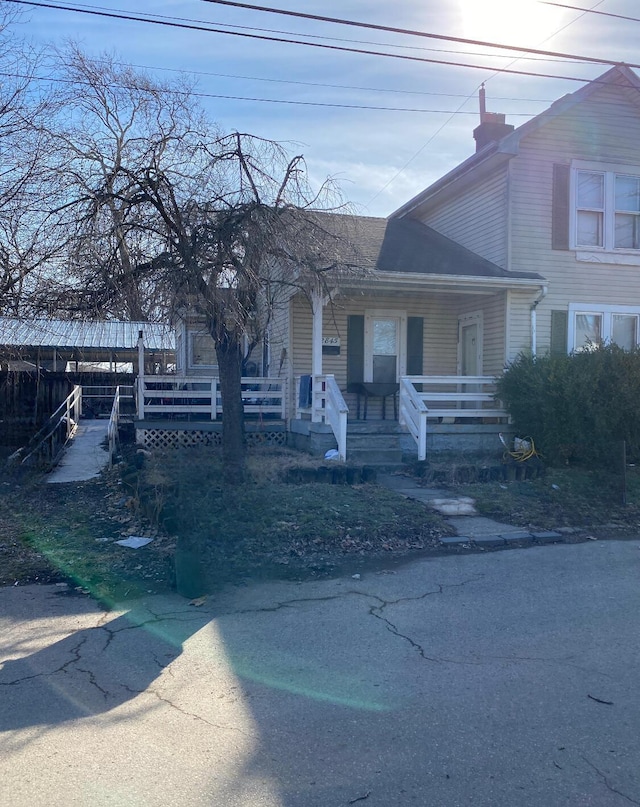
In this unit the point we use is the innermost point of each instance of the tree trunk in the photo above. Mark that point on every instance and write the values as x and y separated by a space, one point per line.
234 446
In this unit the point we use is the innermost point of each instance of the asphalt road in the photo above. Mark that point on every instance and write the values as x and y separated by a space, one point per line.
502 679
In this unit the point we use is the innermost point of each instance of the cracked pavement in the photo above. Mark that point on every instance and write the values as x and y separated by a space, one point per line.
486 680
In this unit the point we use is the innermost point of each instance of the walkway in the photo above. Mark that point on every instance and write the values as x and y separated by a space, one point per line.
86 454
471 528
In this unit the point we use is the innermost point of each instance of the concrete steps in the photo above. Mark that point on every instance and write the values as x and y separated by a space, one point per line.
374 443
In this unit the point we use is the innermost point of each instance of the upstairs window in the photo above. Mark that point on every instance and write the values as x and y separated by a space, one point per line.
605 210
627 212
589 209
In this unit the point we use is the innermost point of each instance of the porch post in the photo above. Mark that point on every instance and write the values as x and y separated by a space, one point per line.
140 407
140 353
316 351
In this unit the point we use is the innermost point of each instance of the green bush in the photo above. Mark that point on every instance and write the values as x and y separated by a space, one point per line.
577 407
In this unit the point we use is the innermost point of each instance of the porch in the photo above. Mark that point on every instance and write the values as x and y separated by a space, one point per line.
433 413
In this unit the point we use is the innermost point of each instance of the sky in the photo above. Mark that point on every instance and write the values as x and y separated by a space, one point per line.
383 127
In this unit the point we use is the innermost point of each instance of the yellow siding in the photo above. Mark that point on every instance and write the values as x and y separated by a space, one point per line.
519 324
493 329
440 312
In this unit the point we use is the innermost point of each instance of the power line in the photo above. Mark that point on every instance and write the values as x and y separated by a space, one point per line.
150 17
325 85
417 59
410 32
451 117
590 11
196 94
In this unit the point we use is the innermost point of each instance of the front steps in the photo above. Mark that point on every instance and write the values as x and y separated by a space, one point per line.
375 443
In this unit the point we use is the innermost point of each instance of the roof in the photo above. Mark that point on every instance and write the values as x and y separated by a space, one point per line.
108 335
409 246
508 146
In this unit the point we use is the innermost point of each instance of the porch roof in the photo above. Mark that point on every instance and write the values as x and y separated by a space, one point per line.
412 247
408 247
403 250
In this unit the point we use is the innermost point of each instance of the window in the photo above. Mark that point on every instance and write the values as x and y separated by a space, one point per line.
203 351
606 210
590 326
627 212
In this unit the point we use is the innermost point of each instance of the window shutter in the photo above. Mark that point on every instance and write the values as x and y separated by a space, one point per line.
559 325
355 350
415 332
560 207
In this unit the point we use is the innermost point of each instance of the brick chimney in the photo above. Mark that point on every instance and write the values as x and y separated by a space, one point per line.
492 125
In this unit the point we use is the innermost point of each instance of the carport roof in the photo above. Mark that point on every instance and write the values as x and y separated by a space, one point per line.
106 335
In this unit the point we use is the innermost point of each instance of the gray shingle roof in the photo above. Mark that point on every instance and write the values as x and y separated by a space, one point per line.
408 246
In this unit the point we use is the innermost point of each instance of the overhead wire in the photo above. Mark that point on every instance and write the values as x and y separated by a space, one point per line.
197 94
339 48
450 118
408 31
590 11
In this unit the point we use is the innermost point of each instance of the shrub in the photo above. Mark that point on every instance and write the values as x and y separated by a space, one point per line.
577 407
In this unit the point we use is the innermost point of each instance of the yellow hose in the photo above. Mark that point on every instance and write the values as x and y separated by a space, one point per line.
524 453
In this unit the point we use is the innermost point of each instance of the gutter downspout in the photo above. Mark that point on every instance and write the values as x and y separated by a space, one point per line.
534 324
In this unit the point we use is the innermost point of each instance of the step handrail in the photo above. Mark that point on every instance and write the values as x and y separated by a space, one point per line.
69 413
112 428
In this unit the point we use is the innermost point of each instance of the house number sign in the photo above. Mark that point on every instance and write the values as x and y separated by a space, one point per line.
331 345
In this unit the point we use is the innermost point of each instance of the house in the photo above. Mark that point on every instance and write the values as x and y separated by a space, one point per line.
533 243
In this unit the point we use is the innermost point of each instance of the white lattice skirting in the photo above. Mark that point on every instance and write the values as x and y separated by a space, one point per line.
161 439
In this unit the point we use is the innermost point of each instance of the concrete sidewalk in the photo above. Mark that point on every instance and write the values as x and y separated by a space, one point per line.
460 512
85 456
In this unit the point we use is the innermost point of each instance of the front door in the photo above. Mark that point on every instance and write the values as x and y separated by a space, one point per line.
470 352
470 344
382 361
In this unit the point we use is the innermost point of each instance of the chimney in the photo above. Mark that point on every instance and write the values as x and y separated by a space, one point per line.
492 125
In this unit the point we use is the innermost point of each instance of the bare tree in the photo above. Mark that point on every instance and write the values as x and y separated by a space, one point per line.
111 123
27 242
162 213
240 229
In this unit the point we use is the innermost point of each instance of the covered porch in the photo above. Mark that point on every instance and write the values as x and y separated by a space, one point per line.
421 351
411 347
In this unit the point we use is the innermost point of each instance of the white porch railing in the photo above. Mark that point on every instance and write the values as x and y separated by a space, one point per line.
326 405
455 397
413 414
335 413
169 396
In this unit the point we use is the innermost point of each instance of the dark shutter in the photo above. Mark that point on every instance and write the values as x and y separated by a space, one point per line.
559 325
355 350
415 332
560 207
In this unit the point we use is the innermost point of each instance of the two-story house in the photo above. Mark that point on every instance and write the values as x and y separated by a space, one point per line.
559 196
